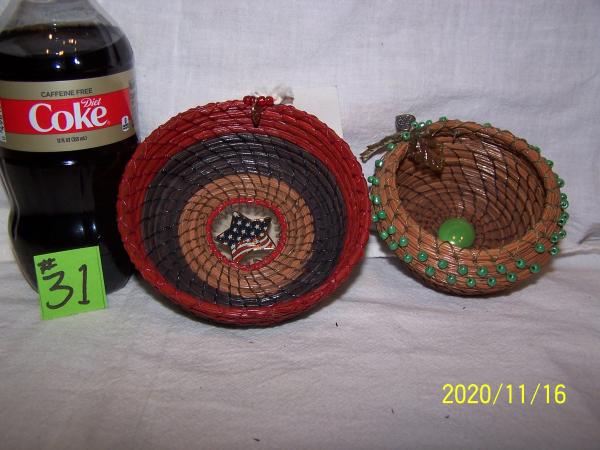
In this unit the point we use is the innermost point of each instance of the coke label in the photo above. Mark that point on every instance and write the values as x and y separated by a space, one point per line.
66 115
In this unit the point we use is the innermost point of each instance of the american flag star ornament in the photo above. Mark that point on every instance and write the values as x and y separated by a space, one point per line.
246 236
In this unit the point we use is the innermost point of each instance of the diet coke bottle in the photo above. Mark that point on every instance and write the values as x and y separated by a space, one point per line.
67 129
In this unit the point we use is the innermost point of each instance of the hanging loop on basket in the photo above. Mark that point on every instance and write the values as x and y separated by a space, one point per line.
423 149
257 104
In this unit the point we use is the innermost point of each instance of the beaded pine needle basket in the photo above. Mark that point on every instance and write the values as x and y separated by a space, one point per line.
470 208
244 212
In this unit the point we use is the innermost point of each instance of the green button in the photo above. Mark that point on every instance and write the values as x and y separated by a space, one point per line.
471 282
403 241
501 268
457 231
422 256
463 270
430 271
482 271
442 264
408 258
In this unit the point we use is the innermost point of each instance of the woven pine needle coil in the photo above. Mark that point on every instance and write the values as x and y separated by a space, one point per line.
241 219
499 183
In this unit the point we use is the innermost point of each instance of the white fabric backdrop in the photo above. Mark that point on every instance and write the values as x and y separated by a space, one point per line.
143 375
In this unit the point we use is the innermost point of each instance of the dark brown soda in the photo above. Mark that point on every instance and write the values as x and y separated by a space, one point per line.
65 200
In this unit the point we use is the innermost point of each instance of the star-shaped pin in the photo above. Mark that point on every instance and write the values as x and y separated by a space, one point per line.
246 235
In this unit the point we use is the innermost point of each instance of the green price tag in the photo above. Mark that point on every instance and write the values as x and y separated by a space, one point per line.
70 282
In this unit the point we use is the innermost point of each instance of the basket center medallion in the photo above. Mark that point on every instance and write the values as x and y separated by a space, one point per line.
245 232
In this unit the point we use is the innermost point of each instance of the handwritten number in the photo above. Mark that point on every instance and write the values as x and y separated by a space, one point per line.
57 286
83 270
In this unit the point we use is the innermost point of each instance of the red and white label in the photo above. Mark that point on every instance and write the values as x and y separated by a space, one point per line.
65 116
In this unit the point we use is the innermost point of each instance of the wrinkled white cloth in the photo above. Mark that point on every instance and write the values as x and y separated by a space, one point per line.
366 369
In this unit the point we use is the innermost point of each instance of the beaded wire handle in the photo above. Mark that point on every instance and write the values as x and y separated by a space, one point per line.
423 149
258 105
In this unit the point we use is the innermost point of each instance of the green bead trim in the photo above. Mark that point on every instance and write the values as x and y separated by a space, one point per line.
471 282
563 196
487 124
554 238
535 268
451 279
403 241
501 268
442 264
562 234
534 147
421 125
443 119
491 282
384 235
511 277
393 246
560 182
429 271
564 216
407 258
379 163
391 229
422 256
482 271
521 264
540 248
382 214
554 250
391 146
428 122
463 270
406 136
376 200
561 222
374 218
564 204
414 124
549 162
